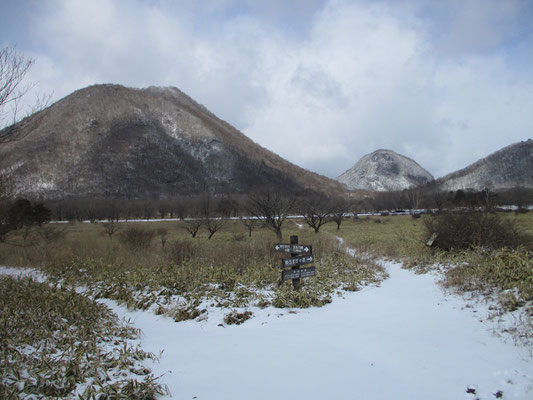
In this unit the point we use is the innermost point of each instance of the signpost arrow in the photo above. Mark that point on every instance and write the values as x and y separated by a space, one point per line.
301 248
298 273
295 261
285 248
293 248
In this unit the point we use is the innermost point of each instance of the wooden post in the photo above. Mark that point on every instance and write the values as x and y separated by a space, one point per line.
295 282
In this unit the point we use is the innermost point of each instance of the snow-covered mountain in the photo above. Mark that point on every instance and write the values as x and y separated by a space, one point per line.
385 170
509 167
118 142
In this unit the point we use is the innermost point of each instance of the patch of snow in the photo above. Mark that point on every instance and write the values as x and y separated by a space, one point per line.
23 273
405 340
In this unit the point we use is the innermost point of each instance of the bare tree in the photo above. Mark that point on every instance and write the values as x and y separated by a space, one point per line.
488 196
148 210
112 212
316 211
518 196
193 226
250 224
213 225
110 228
339 210
228 207
180 208
162 209
439 199
413 197
271 208
13 70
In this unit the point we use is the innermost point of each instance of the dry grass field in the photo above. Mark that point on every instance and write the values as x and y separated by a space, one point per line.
158 266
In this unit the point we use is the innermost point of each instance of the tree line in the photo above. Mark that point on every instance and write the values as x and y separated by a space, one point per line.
315 209
267 208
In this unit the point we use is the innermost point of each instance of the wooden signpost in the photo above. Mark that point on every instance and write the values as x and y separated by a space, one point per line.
296 261
298 273
300 255
293 248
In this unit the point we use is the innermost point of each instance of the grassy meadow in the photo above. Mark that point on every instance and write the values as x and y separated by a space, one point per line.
158 266
171 267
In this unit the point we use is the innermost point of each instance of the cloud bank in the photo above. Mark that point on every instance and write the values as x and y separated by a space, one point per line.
319 82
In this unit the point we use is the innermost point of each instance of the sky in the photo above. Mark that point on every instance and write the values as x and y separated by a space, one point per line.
319 82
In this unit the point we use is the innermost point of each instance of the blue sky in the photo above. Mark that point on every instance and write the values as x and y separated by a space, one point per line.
319 82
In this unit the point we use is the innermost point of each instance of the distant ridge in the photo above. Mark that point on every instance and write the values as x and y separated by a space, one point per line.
509 167
116 142
385 170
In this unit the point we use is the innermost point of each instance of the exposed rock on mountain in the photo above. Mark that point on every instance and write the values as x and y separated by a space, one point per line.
385 170
117 142
509 167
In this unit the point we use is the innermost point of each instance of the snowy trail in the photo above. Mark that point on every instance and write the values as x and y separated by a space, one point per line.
404 340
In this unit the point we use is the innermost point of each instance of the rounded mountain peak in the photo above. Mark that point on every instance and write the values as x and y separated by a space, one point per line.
385 170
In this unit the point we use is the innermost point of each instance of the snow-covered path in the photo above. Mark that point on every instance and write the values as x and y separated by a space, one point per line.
404 340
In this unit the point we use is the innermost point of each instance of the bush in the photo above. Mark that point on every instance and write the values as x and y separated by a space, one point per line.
506 269
51 233
57 343
237 318
466 230
137 238
181 251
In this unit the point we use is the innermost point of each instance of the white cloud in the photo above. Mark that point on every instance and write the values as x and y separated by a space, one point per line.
482 25
349 77
383 85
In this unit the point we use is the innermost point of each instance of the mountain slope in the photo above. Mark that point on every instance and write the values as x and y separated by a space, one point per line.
509 167
385 170
118 142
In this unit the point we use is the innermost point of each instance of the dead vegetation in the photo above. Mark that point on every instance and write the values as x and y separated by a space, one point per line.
56 343
470 229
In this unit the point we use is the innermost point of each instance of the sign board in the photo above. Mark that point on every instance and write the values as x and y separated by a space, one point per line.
295 261
293 248
432 239
298 273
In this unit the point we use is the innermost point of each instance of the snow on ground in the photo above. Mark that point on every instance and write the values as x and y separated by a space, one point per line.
23 273
404 340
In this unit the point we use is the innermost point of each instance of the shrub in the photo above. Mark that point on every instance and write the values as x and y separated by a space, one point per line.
506 269
187 312
137 238
110 228
307 296
57 343
237 318
239 237
182 250
466 230
51 233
